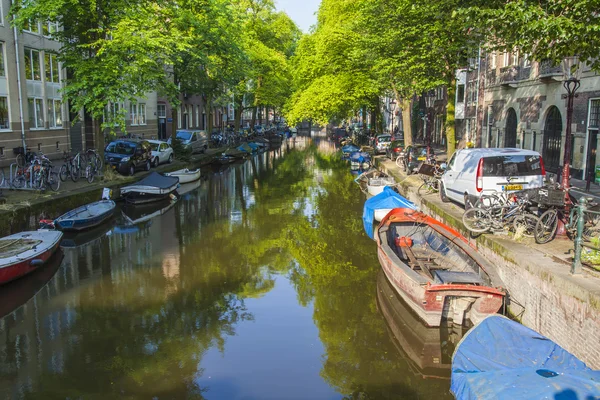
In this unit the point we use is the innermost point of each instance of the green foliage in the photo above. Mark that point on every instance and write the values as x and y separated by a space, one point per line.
180 151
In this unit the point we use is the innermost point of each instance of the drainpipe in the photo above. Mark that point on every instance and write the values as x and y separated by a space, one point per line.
478 127
20 91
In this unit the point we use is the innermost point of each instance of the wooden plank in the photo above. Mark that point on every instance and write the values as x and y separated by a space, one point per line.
414 259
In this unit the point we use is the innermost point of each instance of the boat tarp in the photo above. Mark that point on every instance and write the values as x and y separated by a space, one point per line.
360 156
502 359
245 147
384 200
157 180
350 148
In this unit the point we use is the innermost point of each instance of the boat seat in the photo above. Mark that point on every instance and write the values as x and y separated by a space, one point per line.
457 277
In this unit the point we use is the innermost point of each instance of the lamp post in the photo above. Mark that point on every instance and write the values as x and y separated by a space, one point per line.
571 68
429 101
392 111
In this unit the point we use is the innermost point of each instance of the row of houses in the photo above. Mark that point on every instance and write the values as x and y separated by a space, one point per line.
503 99
33 113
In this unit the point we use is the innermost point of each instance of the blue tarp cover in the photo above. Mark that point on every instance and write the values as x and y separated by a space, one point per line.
386 199
350 148
502 359
360 156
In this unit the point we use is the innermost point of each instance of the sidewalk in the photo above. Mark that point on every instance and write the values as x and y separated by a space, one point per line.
542 292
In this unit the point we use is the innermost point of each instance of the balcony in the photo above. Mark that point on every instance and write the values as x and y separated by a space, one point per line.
509 76
548 71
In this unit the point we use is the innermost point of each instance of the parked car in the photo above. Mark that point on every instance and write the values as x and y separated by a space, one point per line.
415 155
128 155
471 172
382 142
161 152
395 148
196 141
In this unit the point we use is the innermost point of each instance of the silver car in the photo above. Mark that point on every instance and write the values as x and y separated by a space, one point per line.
382 142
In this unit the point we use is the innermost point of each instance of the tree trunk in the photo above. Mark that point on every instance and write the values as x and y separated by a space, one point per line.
173 123
239 108
210 114
99 135
450 133
253 122
406 121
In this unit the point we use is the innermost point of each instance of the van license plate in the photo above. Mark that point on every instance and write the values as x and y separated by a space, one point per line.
421 158
512 187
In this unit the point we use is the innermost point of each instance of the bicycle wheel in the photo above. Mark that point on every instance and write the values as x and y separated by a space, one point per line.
545 228
525 223
89 174
21 160
64 172
426 188
74 172
477 220
53 181
400 163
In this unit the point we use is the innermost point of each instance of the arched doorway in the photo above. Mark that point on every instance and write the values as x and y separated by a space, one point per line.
510 138
552 139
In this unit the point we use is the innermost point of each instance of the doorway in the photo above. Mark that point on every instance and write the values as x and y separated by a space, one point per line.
552 140
510 137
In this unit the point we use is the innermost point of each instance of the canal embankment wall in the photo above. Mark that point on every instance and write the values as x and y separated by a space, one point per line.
543 294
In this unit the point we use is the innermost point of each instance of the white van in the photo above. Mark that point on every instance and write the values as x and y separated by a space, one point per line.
195 140
473 172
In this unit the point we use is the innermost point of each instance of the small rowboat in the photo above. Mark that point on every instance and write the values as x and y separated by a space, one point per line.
25 252
185 175
435 271
154 187
85 217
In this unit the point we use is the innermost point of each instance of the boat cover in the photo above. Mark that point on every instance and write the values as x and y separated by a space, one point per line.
502 359
156 180
350 148
360 156
384 200
245 147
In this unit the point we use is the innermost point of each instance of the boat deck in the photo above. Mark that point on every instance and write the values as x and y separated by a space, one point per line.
12 247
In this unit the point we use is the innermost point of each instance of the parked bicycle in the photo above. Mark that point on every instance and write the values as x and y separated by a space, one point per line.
431 175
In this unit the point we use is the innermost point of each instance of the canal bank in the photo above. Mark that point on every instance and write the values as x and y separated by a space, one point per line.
23 209
543 295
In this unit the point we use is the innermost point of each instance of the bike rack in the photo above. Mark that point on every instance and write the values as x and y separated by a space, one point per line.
28 185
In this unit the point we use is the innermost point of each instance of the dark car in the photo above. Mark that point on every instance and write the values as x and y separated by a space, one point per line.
396 147
414 156
128 155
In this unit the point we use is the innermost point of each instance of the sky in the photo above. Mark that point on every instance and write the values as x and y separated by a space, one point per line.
303 12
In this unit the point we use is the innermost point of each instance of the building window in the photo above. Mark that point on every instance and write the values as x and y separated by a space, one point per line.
55 113
49 28
2 72
161 111
31 26
493 59
138 113
526 61
197 116
52 69
112 112
179 118
515 58
594 114
506 59
32 65
460 94
4 119
36 113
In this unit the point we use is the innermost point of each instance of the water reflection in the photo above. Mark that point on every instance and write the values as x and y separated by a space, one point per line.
257 283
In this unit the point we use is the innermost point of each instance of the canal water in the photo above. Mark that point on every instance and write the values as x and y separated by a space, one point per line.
258 283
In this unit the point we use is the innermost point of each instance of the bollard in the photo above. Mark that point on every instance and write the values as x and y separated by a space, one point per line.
580 211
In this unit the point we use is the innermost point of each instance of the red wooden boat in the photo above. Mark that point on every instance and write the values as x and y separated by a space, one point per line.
25 252
435 270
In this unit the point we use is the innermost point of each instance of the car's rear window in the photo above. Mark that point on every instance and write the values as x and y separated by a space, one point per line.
120 148
384 139
513 165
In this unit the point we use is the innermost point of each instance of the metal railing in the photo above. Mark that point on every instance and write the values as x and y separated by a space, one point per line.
578 218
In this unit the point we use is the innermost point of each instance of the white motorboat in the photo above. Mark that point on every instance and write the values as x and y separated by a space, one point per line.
185 175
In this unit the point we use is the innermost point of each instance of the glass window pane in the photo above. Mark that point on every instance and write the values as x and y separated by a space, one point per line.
31 109
35 64
28 73
142 114
4 121
594 113
47 67
39 111
2 59
58 112
51 120
55 68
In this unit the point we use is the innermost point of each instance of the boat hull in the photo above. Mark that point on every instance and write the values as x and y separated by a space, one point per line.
186 176
434 302
79 224
33 260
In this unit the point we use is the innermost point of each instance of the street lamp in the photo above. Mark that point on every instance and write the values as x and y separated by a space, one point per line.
393 111
571 68
429 101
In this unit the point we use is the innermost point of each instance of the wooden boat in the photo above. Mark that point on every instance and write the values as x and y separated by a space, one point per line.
85 217
428 351
433 268
185 175
502 359
373 182
154 187
26 252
